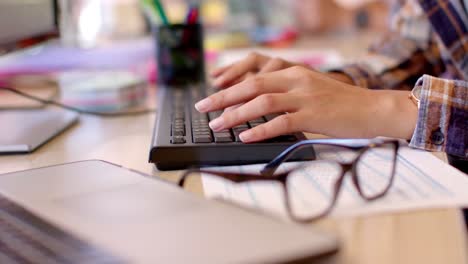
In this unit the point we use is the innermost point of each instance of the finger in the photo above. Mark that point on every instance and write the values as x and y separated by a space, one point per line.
275 64
258 107
282 125
237 81
217 72
245 77
232 108
252 63
276 82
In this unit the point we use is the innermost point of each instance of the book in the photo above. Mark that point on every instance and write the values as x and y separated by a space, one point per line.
101 90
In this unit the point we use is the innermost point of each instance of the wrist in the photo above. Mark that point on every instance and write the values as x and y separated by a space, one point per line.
397 115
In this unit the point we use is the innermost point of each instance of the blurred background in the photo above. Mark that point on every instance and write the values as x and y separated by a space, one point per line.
229 23
100 49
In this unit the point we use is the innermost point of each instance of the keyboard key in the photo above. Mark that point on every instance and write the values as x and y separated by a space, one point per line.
252 125
206 138
178 140
271 117
258 120
237 132
178 133
201 131
200 117
223 137
214 115
203 119
178 130
200 123
242 126
202 134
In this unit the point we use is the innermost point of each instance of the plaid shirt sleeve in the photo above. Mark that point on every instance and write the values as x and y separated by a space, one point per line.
413 49
402 56
443 116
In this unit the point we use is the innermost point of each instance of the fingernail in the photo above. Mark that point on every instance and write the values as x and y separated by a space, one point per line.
217 124
204 105
246 136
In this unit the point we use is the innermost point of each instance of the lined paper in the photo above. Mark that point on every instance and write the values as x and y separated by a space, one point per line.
421 181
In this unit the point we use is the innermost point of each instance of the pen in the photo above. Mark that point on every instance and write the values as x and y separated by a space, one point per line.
150 11
195 15
189 14
162 13
192 16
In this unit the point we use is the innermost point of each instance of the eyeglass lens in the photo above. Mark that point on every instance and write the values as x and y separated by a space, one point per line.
318 180
315 179
374 170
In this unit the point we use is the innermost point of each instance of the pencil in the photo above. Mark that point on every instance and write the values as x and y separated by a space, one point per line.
162 13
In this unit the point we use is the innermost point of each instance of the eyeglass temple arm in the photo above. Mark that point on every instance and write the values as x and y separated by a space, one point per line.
271 167
234 177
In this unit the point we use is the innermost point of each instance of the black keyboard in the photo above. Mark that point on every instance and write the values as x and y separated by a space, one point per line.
183 139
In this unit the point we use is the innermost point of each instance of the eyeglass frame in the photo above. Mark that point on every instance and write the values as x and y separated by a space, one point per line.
268 172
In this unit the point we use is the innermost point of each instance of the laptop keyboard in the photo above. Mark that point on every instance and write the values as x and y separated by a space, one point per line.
26 238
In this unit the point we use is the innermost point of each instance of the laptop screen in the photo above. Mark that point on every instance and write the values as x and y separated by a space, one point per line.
24 20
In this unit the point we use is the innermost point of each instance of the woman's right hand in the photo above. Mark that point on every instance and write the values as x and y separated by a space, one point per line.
314 103
253 64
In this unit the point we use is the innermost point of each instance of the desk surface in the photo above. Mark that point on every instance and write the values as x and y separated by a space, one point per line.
427 236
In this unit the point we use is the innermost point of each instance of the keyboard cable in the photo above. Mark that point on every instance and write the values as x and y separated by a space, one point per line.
77 110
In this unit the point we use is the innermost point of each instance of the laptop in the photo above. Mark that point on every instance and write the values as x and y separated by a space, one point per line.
23 23
24 131
130 217
23 20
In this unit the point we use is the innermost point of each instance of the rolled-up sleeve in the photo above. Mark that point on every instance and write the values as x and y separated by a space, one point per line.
402 55
443 116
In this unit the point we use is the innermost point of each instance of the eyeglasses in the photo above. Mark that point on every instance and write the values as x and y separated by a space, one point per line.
371 164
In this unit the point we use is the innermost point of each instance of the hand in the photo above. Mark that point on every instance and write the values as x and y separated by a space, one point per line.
256 63
253 64
314 103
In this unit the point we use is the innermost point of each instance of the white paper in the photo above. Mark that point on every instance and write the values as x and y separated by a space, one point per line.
421 181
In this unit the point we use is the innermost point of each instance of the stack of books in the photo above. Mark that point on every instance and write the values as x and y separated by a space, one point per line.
101 90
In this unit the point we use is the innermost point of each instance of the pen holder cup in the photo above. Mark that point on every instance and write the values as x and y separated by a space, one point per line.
180 54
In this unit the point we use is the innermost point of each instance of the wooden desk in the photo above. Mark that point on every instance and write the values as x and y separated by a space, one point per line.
429 236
